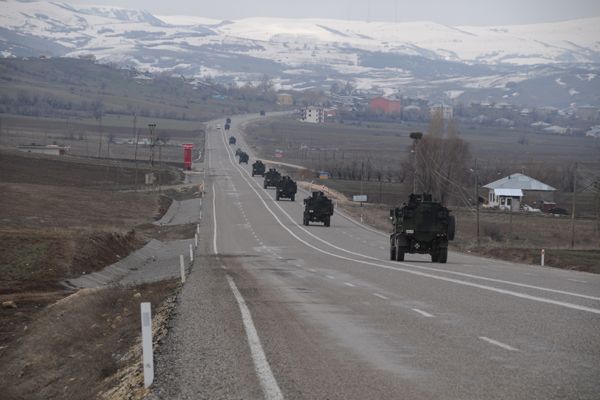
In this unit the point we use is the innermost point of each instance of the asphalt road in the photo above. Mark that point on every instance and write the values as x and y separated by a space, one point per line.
275 310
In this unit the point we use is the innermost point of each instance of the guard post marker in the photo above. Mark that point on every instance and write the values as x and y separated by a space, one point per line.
182 268
147 352
196 240
542 259
198 229
191 254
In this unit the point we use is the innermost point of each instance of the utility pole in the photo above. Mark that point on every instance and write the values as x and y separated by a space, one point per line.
136 138
415 136
573 206
477 199
100 133
152 143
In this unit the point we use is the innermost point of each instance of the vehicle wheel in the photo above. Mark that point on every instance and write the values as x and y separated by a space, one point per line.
443 256
253 174
293 198
434 256
400 254
327 221
305 221
265 185
392 253
277 196
451 227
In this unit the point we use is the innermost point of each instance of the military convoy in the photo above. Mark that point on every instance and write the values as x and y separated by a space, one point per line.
258 168
243 157
422 226
286 189
232 140
272 178
317 208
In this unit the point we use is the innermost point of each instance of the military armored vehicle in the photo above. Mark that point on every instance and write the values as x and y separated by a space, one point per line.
232 140
227 126
286 189
238 152
272 178
422 226
244 158
318 208
262 113
228 120
258 168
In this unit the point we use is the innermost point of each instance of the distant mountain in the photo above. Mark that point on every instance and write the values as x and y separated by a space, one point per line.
418 58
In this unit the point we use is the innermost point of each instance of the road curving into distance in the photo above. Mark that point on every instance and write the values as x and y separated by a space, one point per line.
333 318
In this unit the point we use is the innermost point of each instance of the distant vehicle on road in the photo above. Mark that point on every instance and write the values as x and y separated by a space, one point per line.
238 152
228 120
422 226
318 208
286 189
232 140
227 127
262 113
258 168
244 157
219 126
272 178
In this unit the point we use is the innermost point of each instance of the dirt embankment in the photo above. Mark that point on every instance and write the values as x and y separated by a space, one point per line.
60 218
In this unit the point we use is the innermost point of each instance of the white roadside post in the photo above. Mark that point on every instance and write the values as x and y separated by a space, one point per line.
182 268
542 259
196 240
191 254
147 352
198 229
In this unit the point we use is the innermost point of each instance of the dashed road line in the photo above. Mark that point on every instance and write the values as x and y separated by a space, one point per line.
497 343
381 296
330 276
349 284
576 280
423 313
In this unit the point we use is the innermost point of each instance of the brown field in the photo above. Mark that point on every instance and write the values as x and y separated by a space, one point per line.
61 217
83 136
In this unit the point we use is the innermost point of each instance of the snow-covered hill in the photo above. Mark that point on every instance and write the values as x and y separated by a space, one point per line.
417 56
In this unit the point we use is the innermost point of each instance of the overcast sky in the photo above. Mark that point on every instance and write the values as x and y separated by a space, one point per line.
451 12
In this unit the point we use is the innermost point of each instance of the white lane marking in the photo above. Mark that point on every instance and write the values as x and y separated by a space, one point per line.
381 296
404 264
497 343
412 271
312 270
261 364
349 284
423 313
214 206
330 276
576 280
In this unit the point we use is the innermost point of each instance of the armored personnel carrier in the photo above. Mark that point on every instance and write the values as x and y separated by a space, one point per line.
232 140
238 152
422 226
228 120
286 189
258 168
244 157
318 208
272 178
227 126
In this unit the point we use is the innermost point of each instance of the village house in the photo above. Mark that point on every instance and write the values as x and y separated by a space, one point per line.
381 105
510 192
312 114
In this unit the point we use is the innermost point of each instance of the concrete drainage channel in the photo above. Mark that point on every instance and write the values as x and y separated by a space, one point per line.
154 262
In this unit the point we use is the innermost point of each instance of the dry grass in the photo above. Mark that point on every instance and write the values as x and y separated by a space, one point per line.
75 348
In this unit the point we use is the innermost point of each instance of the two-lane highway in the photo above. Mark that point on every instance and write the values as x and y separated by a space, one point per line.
315 312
